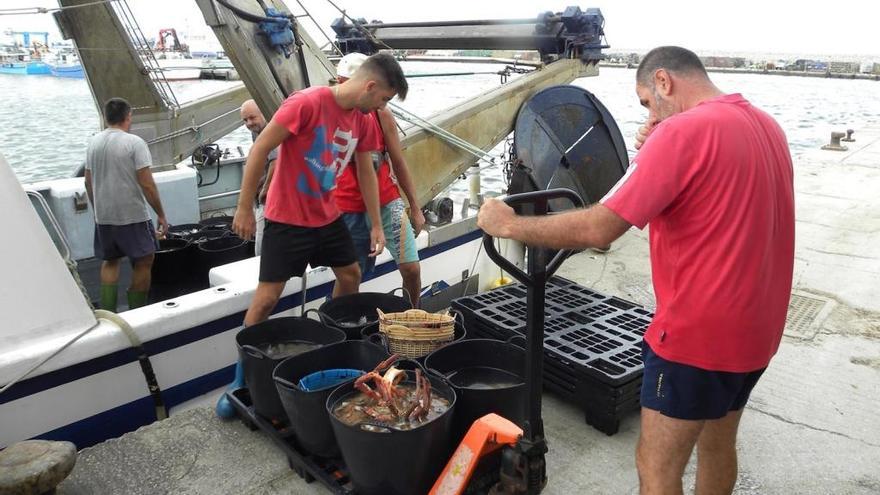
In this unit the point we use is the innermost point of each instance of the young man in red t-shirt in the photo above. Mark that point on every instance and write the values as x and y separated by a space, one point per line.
714 180
319 130
400 229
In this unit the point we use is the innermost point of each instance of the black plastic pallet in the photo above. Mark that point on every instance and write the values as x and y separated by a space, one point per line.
592 344
554 363
600 334
594 352
608 422
332 473
587 388
585 382
604 406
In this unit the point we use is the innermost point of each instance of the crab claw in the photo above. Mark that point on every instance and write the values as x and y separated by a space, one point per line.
361 384
422 397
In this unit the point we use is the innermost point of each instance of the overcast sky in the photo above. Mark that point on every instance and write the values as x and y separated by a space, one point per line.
765 26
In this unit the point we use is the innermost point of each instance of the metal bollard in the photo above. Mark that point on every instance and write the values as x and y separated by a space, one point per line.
835 142
849 138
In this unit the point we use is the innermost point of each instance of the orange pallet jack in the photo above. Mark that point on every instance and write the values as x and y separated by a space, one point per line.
512 456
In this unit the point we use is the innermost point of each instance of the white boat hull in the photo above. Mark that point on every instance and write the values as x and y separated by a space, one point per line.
91 399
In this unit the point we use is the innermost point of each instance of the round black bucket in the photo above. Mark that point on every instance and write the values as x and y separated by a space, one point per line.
487 375
394 462
218 223
188 231
307 410
172 261
354 312
172 272
209 234
262 346
220 251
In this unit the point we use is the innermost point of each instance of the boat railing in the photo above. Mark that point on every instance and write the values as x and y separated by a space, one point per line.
52 225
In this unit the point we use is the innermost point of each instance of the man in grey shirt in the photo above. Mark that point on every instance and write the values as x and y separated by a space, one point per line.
255 122
119 184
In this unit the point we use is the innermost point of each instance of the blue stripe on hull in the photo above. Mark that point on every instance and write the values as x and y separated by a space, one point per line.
127 417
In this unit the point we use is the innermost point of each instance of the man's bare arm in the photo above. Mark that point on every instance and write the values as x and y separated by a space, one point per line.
151 194
595 226
265 191
89 193
369 187
270 138
400 168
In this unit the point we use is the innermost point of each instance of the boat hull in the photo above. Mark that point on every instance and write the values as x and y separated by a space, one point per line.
103 397
68 71
25 68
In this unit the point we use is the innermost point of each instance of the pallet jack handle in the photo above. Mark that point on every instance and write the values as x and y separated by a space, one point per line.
540 201
523 469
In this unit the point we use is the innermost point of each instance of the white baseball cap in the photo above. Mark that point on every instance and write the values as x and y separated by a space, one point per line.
349 64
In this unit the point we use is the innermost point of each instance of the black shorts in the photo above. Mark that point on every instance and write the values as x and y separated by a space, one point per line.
686 392
287 249
135 240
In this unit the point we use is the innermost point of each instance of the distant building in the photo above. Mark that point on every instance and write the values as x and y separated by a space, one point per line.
724 62
631 59
843 67
806 65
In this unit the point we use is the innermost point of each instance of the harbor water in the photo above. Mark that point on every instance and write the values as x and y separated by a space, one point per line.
45 122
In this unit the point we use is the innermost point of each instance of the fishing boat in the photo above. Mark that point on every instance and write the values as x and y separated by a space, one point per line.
95 388
174 58
65 63
16 60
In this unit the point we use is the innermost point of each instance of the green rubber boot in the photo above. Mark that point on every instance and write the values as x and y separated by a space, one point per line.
136 299
108 297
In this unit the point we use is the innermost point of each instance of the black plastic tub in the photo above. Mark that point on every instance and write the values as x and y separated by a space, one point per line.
188 231
307 410
394 462
218 222
172 261
488 376
173 272
354 312
258 360
220 251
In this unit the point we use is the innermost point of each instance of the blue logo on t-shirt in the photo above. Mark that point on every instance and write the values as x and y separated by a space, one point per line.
323 173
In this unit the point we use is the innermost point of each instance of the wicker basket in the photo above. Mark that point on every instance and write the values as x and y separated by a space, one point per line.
415 333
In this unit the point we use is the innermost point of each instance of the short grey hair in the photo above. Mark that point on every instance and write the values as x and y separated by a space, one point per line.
674 59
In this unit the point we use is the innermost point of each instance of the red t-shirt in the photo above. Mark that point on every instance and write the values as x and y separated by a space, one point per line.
348 191
323 141
715 183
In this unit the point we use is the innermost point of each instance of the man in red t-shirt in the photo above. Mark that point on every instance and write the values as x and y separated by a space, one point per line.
713 177
319 130
391 170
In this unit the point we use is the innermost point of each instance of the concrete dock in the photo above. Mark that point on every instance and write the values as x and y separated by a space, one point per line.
812 425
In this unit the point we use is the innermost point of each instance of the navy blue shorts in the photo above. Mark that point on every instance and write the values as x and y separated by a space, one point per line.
359 227
134 240
686 392
287 249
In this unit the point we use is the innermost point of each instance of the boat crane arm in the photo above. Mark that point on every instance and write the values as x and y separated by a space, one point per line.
118 62
571 40
117 66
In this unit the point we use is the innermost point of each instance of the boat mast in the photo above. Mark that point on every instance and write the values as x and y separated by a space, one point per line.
118 62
